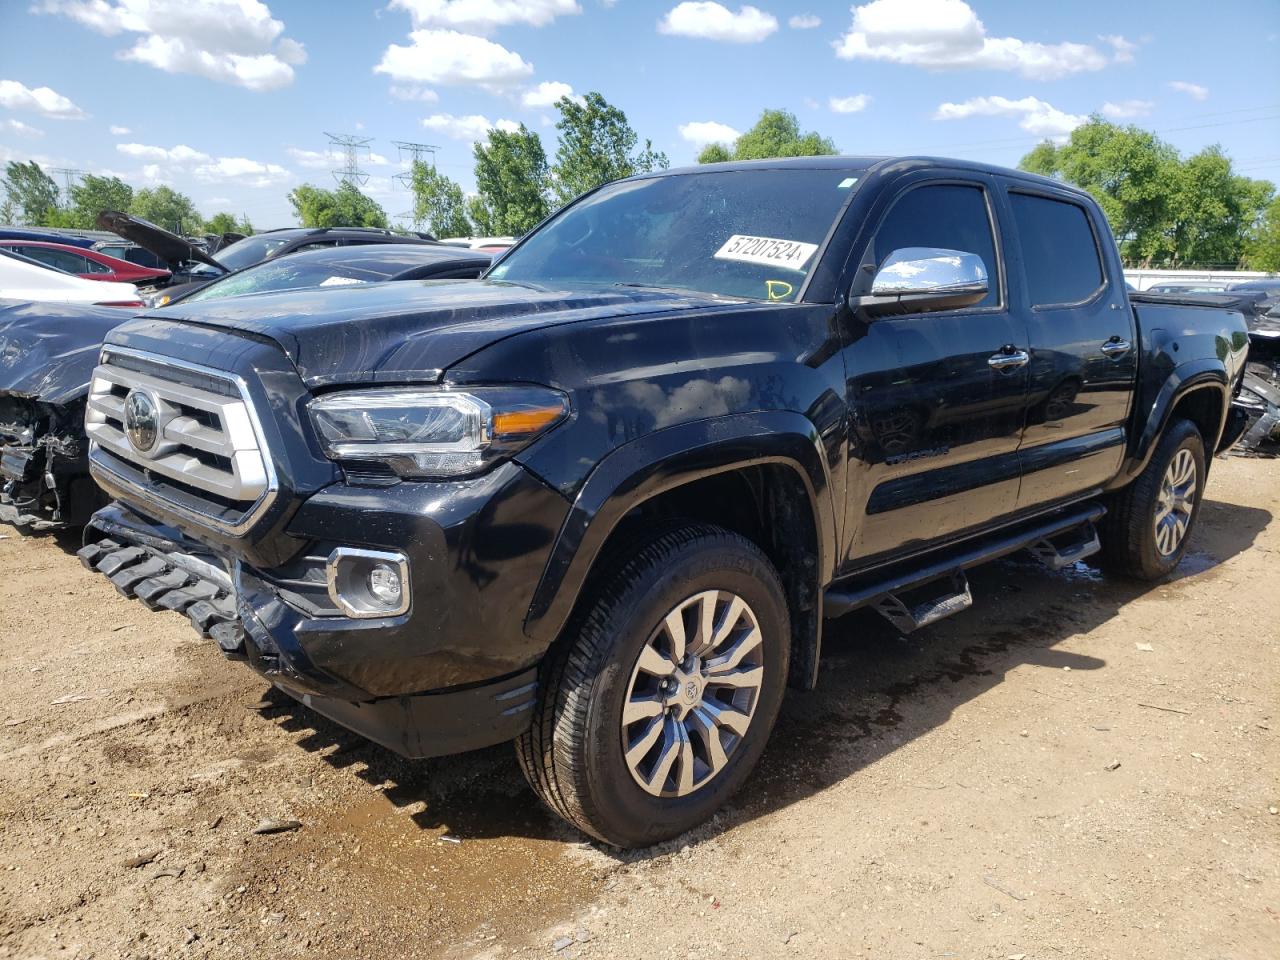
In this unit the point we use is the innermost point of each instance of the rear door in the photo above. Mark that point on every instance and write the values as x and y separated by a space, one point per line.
1084 358
936 398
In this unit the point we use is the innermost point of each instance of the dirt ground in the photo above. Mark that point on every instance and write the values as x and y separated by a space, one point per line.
952 794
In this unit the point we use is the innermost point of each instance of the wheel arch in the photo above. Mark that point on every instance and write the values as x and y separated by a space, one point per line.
764 475
1198 391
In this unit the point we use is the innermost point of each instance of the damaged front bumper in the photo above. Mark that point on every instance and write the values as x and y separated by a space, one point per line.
44 467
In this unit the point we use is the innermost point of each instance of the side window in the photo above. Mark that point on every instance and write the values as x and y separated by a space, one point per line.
93 266
948 216
315 245
1059 250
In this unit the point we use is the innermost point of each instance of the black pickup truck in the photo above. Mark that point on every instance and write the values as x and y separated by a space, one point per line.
601 501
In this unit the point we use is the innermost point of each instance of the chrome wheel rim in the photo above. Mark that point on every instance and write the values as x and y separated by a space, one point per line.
692 693
1175 502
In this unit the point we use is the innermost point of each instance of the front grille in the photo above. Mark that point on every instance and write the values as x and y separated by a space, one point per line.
207 460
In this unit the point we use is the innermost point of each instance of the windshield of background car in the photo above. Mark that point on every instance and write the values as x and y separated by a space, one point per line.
287 273
735 233
247 252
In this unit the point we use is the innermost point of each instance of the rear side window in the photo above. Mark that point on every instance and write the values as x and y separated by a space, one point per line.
1059 251
948 216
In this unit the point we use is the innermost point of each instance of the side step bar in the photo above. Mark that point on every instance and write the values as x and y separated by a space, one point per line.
883 592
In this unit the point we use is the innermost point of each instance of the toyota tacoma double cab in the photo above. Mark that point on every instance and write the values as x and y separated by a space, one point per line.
600 501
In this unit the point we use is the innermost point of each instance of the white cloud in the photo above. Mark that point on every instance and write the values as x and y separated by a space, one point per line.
420 94
1127 109
1121 47
18 96
546 94
1037 117
947 35
449 58
482 16
311 159
1192 90
714 21
117 131
470 129
854 104
804 21
230 41
702 132
168 161
21 129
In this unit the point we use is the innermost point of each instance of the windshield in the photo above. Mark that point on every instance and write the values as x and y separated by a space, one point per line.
247 252
736 233
287 273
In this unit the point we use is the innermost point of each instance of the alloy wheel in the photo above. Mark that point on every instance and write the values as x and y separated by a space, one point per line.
1175 502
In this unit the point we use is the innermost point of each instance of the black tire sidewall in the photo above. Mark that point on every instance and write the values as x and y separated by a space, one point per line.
1182 436
631 816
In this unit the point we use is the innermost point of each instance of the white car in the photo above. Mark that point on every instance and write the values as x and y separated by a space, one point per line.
23 279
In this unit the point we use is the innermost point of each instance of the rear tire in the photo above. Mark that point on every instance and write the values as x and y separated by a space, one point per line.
1149 523
697 725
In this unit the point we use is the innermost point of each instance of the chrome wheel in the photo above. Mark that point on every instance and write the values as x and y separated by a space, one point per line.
1175 502
692 694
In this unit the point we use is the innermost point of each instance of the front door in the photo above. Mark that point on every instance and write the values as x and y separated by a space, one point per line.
1084 354
937 399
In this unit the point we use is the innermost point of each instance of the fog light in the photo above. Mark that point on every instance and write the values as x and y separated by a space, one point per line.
384 583
368 583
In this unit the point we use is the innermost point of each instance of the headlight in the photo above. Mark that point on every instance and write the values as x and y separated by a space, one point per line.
434 432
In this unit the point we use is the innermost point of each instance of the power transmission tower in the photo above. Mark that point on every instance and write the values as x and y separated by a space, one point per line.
69 177
351 147
416 154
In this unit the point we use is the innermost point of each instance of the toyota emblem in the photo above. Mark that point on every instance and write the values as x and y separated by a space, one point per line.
141 420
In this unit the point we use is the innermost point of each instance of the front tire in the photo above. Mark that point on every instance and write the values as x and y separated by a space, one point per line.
657 703
1149 523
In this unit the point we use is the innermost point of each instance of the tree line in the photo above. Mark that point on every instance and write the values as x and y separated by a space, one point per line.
1166 210
32 197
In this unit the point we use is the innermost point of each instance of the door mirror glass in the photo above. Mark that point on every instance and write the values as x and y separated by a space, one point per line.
914 279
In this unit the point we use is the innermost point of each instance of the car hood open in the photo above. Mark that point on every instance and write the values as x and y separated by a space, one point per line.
169 247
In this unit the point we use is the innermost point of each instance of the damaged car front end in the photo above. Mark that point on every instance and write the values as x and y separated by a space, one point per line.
47 355
1259 396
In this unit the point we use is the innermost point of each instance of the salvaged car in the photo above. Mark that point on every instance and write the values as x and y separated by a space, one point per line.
47 356
24 279
601 501
1259 395
84 263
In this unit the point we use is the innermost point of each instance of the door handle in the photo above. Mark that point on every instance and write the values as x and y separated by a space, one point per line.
1116 347
1009 358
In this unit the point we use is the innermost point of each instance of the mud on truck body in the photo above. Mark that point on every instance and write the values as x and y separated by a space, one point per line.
601 501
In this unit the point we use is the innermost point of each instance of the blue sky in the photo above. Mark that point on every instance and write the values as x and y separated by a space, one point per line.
229 100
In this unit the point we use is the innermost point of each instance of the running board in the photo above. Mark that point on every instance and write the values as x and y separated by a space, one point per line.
895 579
1056 558
908 619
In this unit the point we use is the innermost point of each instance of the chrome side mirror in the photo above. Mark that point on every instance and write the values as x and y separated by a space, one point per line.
914 279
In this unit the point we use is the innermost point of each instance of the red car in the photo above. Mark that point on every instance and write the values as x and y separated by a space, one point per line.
89 264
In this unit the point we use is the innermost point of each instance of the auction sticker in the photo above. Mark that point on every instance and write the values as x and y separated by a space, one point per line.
766 251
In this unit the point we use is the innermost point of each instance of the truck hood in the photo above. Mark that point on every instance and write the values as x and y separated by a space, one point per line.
413 330
169 247
48 350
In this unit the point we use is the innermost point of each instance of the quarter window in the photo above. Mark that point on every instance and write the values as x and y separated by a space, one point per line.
1059 252
947 216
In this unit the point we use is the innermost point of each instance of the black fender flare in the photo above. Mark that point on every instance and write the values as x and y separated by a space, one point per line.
1195 375
662 461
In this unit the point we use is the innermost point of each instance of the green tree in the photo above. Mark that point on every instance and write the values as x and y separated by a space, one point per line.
480 215
30 191
167 208
345 207
1162 209
776 134
221 223
596 146
512 180
93 194
1262 251
439 202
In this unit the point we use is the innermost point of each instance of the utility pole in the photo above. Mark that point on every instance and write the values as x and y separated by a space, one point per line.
351 147
69 177
417 152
